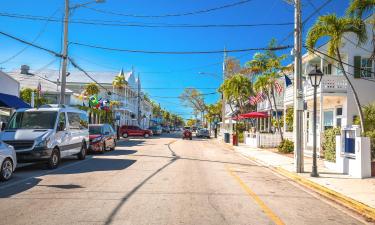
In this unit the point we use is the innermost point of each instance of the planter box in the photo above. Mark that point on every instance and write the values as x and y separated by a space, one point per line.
373 169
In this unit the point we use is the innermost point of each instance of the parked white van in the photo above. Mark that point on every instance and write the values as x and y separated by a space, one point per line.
48 133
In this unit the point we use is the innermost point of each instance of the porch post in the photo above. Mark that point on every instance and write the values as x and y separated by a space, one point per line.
321 122
284 120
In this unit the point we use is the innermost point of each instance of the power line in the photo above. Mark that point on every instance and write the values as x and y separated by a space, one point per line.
316 11
137 24
34 40
180 52
172 14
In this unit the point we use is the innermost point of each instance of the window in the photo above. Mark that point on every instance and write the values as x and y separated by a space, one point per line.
327 69
366 67
338 116
338 69
33 120
62 122
83 121
338 111
328 120
74 120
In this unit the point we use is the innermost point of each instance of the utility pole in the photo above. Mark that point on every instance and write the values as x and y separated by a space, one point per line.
222 95
298 92
64 54
139 101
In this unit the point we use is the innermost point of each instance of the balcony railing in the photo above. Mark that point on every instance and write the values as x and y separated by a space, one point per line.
329 84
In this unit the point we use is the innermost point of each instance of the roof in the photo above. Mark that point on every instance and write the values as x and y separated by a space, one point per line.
32 81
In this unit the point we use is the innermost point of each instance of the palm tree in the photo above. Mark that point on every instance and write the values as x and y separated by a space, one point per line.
357 8
92 89
119 81
263 84
335 28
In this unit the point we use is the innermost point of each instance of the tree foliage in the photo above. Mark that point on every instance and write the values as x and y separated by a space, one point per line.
25 95
92 89
236 91
334 28
193 98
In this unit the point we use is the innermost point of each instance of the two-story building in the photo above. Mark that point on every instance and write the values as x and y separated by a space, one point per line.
335 99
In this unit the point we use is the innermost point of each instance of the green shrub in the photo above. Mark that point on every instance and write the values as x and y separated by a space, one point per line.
289 119
371 135
286 146
241 138
329 143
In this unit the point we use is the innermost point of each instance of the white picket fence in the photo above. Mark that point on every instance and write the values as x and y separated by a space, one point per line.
265 140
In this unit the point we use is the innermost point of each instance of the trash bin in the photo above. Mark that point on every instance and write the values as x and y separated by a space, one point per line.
349 141
235 140
226 138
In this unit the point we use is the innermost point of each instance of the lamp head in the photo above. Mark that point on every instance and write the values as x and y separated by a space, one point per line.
315 76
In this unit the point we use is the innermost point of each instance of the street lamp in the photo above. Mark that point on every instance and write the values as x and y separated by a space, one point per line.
315 77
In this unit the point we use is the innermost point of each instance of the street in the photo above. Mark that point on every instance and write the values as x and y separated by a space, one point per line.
162 180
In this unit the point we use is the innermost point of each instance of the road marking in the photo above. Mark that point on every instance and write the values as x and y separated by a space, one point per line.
256 198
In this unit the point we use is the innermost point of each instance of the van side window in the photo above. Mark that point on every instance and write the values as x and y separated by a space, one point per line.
74 121
83 121
62 122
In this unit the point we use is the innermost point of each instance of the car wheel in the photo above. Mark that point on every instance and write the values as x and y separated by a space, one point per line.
6 170
146 135
191 138
114 146
82 154
125 135
54 159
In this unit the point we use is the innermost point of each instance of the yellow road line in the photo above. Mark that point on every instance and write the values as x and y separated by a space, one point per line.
256 198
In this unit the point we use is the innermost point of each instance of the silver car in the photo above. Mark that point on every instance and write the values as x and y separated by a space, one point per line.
203 133
47 134
8 161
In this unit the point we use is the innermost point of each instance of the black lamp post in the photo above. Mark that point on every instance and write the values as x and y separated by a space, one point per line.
315 78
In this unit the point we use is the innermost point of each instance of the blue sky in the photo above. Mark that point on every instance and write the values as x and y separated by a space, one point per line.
157 71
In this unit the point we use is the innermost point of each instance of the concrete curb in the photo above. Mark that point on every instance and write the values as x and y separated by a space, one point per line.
360 208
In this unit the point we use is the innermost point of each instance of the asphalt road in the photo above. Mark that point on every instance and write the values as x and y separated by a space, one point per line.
162 180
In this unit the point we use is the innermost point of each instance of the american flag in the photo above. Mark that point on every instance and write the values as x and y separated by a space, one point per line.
278 87
258 98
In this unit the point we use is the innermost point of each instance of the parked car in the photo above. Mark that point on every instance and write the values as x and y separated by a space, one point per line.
166 130
8 161
128 131
48 134
187 134
102 138
205 133
156 130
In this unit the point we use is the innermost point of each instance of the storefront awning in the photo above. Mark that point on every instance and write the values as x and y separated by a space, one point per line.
254 115
11 101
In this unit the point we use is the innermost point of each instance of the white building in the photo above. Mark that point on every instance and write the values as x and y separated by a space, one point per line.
335 100
49 89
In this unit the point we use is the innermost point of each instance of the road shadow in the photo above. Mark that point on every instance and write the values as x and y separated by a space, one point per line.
97 164
120 152
63 186
14 189
131 143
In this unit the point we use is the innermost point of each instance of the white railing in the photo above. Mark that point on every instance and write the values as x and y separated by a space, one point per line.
330 83
265 140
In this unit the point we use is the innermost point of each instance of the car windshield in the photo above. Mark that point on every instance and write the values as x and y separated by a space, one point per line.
33 120
95 130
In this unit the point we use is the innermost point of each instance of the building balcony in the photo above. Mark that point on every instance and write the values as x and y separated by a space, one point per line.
329 84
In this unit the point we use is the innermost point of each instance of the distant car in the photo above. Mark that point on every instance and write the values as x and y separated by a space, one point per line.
166 130
156 130
187 134
8 161
102 138
203 133
128 131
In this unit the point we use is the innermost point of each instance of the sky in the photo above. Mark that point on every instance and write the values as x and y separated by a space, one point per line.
163 76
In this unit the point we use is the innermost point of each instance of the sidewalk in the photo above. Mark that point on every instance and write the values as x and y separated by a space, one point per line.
360 190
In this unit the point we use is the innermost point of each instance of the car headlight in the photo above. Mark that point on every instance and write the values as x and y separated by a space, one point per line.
97 139
42 143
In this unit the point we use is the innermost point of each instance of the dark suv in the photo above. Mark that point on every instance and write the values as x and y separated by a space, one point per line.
127 131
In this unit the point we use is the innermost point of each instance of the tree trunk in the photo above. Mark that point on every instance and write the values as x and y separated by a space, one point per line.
277 115
269 101
359 107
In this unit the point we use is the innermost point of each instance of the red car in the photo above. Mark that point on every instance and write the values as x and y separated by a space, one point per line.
102 137
127 131
187 133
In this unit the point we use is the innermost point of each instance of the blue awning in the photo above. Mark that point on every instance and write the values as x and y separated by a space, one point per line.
11 101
